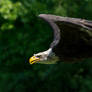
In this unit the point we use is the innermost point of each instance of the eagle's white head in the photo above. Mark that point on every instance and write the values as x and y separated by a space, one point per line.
40 56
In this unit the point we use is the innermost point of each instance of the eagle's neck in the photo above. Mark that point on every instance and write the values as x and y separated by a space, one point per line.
48 52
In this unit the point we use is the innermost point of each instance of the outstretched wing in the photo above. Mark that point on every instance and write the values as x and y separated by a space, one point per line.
54 22
70 34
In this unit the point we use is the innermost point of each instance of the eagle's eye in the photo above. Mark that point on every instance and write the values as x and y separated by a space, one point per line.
39 56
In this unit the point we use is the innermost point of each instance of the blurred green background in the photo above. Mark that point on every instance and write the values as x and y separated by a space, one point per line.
22 34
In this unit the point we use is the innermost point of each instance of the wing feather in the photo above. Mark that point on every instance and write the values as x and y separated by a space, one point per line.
72 30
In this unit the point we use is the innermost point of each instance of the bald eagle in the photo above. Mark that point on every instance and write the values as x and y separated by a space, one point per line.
72 39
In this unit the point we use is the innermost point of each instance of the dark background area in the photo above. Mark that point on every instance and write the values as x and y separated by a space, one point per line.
22 34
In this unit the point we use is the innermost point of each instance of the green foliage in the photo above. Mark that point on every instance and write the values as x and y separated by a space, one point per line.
9 12
22 34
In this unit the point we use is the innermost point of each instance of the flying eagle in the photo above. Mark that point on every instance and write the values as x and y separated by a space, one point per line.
72 39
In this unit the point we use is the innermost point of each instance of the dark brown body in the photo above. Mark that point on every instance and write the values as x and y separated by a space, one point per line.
74 42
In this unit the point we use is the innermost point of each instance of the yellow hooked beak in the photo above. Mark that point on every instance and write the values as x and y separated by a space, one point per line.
33 59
